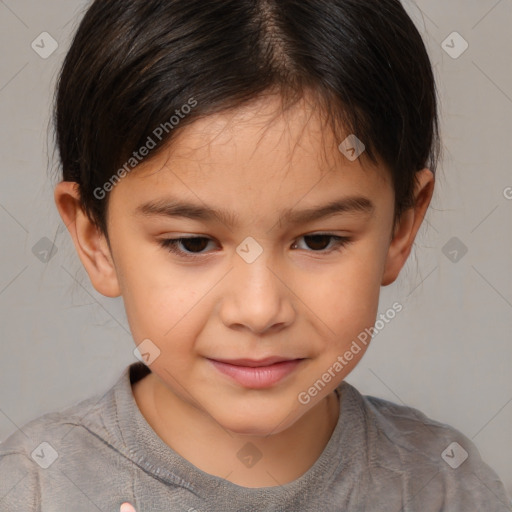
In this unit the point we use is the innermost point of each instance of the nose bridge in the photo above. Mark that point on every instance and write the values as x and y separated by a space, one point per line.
256 278
255 298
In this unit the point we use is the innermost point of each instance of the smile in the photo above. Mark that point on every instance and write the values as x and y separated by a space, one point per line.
257 377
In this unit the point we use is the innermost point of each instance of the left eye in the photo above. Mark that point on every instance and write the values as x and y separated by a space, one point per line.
319 242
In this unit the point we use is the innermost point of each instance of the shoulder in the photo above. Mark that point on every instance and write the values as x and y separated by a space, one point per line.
56 424
410 430
429 458
26 454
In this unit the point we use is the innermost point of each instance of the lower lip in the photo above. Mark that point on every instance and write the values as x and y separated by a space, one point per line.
258 377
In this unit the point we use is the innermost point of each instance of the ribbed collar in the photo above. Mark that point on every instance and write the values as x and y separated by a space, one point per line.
139 442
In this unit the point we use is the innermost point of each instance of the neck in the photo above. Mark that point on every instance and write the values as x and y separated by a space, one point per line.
249 461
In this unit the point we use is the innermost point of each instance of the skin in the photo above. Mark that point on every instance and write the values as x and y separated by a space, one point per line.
301 298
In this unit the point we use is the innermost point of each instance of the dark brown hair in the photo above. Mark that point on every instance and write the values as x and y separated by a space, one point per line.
134 64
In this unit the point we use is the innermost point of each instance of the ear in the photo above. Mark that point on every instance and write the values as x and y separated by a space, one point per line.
407 227
90 244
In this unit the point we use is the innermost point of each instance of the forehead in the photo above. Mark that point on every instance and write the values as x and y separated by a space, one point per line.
258 148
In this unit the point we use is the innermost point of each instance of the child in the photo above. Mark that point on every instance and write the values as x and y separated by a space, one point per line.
246 174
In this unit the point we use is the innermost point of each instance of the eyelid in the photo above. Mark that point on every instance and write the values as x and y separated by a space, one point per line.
339 242
171 245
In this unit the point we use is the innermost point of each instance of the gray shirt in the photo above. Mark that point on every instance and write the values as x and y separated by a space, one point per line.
101 452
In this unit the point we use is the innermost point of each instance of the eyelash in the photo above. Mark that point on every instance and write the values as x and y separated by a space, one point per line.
171 244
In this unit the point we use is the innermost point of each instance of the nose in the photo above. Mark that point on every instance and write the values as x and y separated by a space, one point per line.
256 297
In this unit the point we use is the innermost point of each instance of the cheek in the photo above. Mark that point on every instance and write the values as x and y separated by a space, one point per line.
160 299
346 298
166 316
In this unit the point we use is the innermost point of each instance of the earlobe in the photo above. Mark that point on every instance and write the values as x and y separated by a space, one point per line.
407 227
90 244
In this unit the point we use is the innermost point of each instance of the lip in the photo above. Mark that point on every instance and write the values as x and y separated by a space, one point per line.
254 363
256 374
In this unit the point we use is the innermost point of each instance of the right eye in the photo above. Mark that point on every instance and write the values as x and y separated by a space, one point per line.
192 245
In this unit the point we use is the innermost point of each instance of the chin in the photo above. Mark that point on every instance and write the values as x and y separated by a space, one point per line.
257 425
252 430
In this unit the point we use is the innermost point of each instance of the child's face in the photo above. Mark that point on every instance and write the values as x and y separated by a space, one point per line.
301 298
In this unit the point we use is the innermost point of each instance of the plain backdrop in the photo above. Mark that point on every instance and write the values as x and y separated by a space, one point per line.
447 353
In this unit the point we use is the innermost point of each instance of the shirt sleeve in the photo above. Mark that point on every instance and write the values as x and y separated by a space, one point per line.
441 469
461 482
19 483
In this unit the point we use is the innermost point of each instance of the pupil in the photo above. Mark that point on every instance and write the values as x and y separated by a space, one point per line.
195 244
322 238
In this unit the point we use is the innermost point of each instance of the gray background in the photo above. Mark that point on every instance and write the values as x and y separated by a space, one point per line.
447 353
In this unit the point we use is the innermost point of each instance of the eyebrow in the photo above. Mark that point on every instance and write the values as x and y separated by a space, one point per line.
173 207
